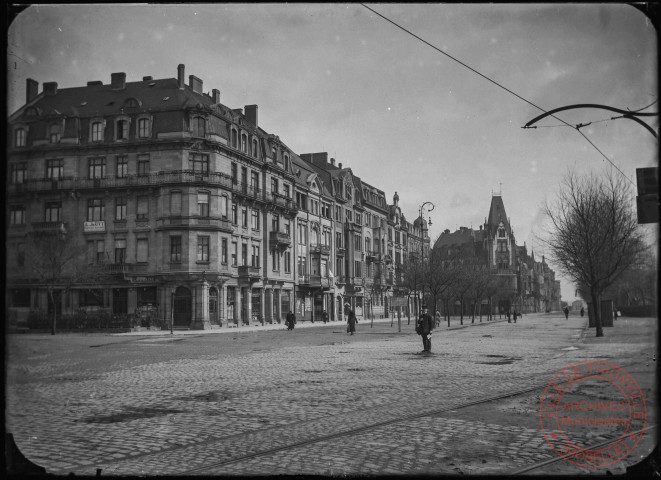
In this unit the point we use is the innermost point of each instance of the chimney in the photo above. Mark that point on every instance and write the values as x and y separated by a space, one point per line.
180 76
333 162
216 95
339 165
251 114
50 88
147 79
31 89
195 83
117 81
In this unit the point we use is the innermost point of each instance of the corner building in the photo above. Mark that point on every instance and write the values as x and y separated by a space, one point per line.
187 203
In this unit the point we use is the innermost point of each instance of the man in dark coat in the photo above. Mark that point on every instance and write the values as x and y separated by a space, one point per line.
424 327
291 320
351 321
566 313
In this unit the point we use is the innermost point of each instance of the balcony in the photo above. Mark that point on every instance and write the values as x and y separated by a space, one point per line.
320 248
178 222
356 281
340 251
317 281
279 239
251 273
371 256
49 227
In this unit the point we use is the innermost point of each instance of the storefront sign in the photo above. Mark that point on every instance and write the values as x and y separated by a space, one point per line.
96 226
142 279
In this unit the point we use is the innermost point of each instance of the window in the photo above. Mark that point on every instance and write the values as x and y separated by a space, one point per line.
349 192
254 220
17 214
358 269
122 129
18 172
175 203
314 206
338 239
254 148
235 137
244 254
349 215
234 253
120 250
199 127
223 206
53 212
287 227
142 247
287 262
175 249
302 265
97 131
235 219
120 208
275 260
254 180
397 236
100 251
368 244
235 174
223 251
502 245
203 204
275 223
142 211
325 210
122 168
143 128
254 259
302 234
244 142
97 168
501 232
202 249
143 164
19 137
314 240
96 209
54 168
274 185
285 189
286 162
301 201
20 254
358 219
244 217
54 134
357 242
199 163
338 214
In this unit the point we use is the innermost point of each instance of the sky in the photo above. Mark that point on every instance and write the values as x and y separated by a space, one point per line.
406 116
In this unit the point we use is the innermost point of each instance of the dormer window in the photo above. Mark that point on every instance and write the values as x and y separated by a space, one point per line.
144 127
199 127
96 131
122 128
244 143
254 147
286 162
349 192
31 112
131 103
54 134
235 138
20 137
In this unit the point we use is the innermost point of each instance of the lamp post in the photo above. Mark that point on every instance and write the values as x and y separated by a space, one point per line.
422 241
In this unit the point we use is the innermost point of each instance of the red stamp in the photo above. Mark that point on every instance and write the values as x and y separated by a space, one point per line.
593 413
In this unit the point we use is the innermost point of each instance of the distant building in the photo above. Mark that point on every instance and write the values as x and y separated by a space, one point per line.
529 286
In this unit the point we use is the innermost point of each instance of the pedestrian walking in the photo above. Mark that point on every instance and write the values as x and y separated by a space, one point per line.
438 318
514 314
566 313
324 316
582 312
424 328
351 321
290 320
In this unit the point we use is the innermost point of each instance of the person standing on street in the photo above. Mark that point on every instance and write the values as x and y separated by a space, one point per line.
566 313
424 328
351 321
582 312
291 320
438 318
324 316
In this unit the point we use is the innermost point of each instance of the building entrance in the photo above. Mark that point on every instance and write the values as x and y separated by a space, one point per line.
182 307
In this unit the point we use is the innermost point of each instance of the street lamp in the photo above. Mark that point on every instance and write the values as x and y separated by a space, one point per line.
422 241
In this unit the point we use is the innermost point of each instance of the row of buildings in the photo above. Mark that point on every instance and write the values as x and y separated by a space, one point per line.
530 285
197 215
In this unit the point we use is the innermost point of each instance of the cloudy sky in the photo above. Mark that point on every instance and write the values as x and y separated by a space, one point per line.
405 117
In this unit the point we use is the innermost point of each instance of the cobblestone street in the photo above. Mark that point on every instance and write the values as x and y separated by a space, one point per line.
312 401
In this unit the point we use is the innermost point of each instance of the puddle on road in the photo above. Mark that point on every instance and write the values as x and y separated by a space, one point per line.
130 414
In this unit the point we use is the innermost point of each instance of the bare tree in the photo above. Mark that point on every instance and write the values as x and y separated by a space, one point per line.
58 263
594 234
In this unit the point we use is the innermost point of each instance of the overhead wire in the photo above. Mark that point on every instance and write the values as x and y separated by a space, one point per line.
501 86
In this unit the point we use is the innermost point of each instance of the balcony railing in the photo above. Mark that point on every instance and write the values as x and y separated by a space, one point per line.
279 239
49 227
248 271
178 221
320 248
